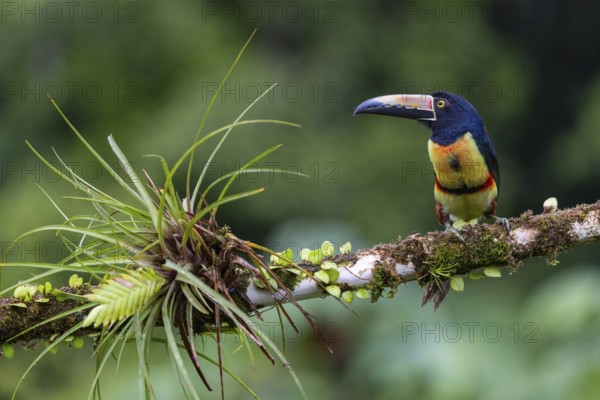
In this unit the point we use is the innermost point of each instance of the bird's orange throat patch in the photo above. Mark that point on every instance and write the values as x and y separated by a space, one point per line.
459 165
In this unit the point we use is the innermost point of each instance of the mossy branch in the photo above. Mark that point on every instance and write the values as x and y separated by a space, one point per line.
36 319
437 256
432 257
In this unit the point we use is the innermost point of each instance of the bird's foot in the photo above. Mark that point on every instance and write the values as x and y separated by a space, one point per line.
455 232
503 221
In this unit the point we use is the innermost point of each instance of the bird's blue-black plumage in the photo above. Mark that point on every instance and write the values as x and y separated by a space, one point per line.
456 118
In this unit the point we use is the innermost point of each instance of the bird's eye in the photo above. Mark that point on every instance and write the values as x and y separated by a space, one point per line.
441 103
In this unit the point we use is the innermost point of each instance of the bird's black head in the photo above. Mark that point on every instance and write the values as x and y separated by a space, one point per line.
448 115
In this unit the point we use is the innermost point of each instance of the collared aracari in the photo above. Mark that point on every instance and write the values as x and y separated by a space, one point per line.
467 177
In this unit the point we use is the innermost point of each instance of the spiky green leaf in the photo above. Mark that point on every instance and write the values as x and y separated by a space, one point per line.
121 297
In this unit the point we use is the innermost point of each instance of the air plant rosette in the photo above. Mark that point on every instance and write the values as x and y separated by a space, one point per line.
157 261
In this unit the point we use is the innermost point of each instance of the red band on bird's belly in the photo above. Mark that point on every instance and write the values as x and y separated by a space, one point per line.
466 190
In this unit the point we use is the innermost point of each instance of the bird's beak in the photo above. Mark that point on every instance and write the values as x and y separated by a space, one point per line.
411 106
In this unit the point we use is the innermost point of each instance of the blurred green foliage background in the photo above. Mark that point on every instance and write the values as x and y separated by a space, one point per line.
145 72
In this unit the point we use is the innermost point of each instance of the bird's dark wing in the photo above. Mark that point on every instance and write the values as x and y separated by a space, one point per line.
485 147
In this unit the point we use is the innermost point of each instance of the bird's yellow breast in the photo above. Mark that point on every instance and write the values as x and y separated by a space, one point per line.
459 167
460 164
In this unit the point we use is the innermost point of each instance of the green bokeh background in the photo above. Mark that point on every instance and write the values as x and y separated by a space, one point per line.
145 71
